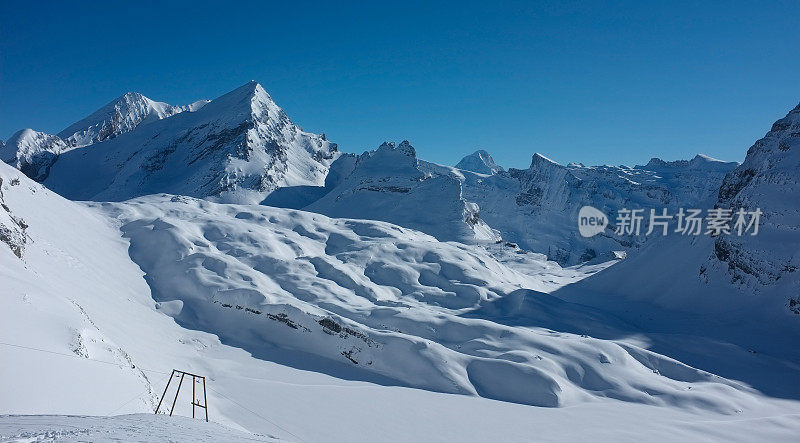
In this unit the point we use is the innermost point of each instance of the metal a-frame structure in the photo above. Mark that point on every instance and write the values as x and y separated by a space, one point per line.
195 401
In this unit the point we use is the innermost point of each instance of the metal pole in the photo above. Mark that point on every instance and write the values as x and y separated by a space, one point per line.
194 382
176 394
165 390
205 398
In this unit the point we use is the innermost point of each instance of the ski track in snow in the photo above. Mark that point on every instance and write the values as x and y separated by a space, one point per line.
139 427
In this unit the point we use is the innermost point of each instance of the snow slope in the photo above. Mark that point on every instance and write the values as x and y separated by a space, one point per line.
121 115
387 184
768 180
94 335
238 147
377 298
138 427
739 291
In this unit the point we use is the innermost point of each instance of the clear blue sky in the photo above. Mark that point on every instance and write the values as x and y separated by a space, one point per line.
595 82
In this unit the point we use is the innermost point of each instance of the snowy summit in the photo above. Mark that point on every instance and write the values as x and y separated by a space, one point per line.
480 162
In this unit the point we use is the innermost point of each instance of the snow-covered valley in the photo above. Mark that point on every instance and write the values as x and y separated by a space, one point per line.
381 297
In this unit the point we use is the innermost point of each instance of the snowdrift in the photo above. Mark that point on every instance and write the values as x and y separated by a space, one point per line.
349 296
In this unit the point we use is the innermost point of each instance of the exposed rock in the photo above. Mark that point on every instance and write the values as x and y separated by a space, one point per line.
12 229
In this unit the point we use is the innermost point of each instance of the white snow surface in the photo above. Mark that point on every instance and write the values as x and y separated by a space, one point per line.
387 184
133 427
742 290
109 297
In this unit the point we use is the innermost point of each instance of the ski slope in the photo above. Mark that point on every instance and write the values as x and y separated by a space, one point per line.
93 320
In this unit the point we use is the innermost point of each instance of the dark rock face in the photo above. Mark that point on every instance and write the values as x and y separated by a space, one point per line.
33 152
769 181
38 166
12 228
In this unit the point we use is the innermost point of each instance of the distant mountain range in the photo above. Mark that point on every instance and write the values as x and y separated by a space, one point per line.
238 147
241 147
538 207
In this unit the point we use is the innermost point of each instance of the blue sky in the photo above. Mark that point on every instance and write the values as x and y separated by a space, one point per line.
595 82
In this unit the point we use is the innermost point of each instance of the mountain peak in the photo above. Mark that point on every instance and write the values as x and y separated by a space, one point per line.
702 158
26 140
539 159
238 147
128 101
699 161
388 184
403 148
390 159
117 117
250 87
249 90
791 119
131 96
406 148
22 134
655 162
250 99
479 161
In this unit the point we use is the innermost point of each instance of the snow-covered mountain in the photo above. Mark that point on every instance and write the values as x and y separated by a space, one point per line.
767 181
241 147
32 152
122 115
295 314
538 207
740 289
480 162
238 147
387 184
353 298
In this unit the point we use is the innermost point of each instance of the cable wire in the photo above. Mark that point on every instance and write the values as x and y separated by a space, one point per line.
258 415
126 403
79 357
